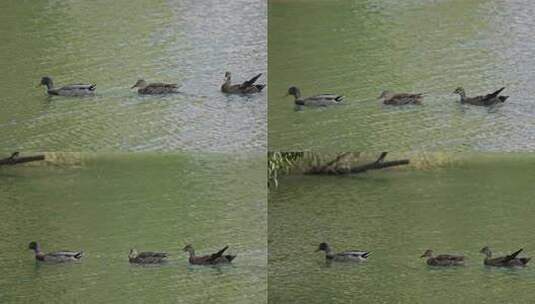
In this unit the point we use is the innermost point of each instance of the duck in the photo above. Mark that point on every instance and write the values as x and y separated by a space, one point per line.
505 261
210 259
146 257
346 256
486 100
247 87
156 88
68 90
442 259
322 100
55 257
398 99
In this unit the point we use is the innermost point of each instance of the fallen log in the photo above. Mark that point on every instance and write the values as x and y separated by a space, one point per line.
378 164
15 159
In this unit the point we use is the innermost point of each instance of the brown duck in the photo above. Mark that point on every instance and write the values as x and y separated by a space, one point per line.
146 257
247 87
505 261
211 259
398 99
156 88
486 100
443 259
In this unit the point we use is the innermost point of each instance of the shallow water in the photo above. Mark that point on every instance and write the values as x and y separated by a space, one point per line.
397 214
112 44
360 48
109 204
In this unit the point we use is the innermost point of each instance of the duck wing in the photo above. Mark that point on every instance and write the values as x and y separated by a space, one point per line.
250 82
79 87
405 98
163 85
66 253
448 257
356 253
408 95
331 97
150 254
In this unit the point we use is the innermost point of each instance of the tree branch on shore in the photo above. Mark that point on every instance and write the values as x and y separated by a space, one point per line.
16 159
331 167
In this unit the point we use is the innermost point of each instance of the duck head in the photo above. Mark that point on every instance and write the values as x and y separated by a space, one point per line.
189 249
459 91
46 81
385 95
294 91
132 254
34 246
140 84
486 251
427 254
228 76
323 247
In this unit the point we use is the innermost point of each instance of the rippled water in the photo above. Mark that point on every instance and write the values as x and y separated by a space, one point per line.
360 48
109 204
397 214
112 44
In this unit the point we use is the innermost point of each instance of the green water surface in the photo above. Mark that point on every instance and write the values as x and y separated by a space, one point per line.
107 204
114 43
358 48
481 200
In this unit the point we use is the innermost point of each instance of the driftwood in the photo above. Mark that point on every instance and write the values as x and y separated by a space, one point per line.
332 169
16 159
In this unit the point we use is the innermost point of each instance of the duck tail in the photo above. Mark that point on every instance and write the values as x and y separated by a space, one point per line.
339 98
93 87
497 92
525 260
79 254
250 82
514 254
366 254
503 98
232 257
220 252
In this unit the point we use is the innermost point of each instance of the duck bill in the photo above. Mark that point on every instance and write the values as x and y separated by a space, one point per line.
423 256
133 86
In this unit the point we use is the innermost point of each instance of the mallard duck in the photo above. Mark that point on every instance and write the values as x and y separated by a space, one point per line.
146 257
145 88
322 100
68 90
487 100
398 99
247 87
443 259
211 259
55 257
505 261
346 256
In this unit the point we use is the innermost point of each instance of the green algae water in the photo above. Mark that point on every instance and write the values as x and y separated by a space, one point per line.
107 204
113 44
459 207
360 48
